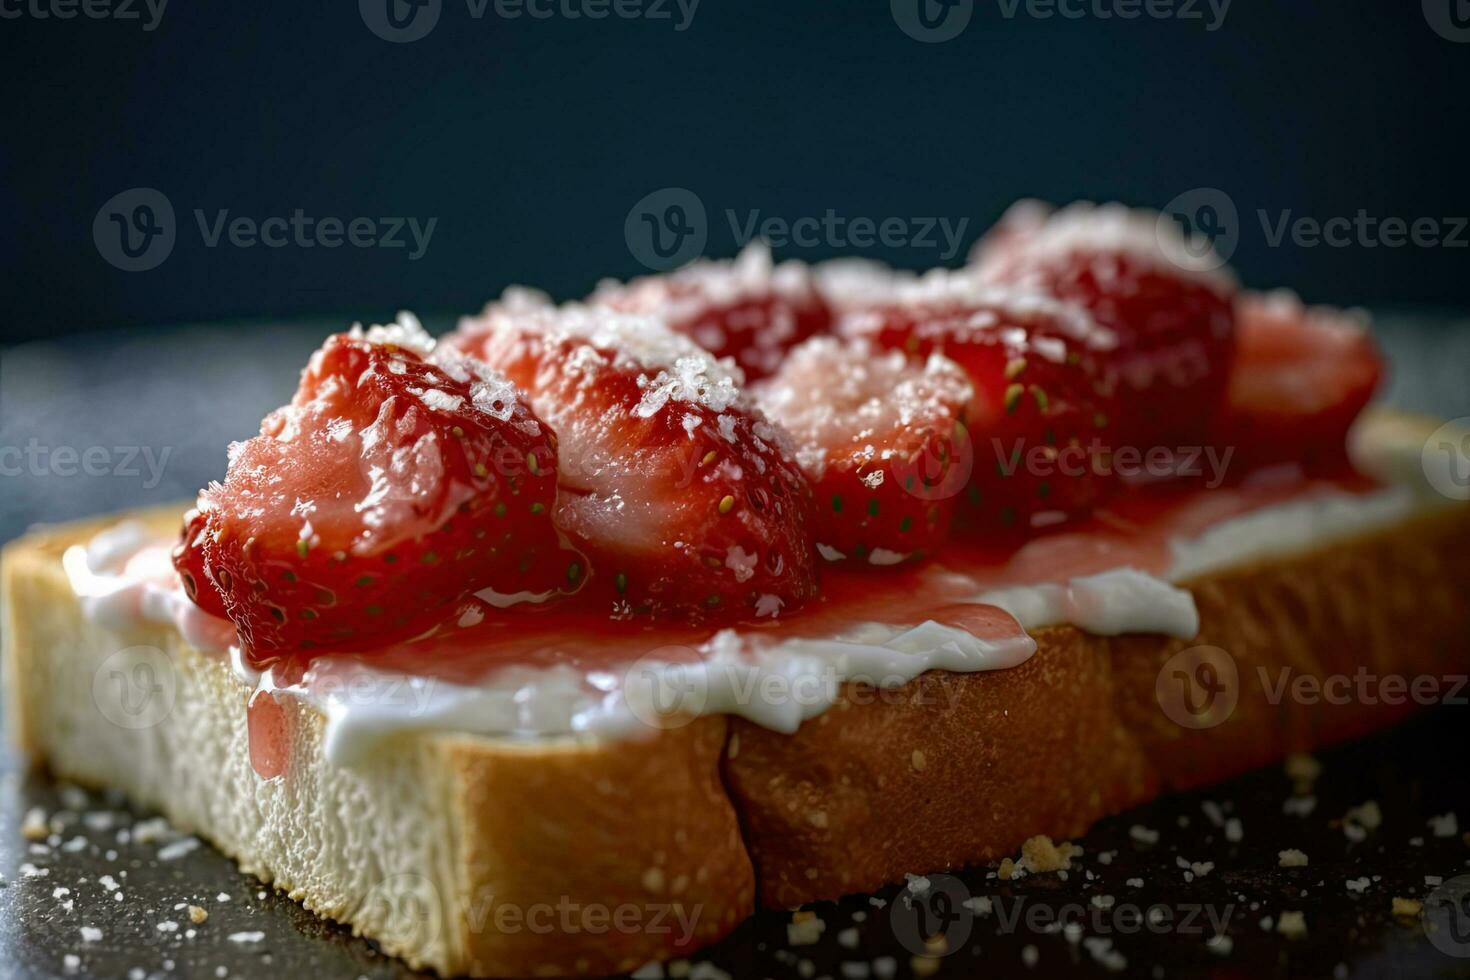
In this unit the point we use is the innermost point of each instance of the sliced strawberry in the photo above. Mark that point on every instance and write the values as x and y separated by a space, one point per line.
746 309
1039 421
1301 376
685 499
1168 299
882 440
193 569
395 483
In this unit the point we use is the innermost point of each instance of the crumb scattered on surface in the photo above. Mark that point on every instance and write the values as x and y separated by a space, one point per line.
924 966
197 914
1302 769
1292 858
1407 908
804 929
1444 826
1292 925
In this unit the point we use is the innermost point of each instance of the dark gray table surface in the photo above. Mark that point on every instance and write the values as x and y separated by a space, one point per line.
159 406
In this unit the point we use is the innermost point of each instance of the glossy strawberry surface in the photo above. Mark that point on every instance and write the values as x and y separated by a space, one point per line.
685 499
391 486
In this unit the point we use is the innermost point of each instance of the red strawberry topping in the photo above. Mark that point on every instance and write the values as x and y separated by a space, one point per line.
1041 415
882 440
193 569
746 309
1301 376
395 483
1166 297
686 501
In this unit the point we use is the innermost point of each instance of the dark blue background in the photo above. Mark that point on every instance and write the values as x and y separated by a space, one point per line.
531 140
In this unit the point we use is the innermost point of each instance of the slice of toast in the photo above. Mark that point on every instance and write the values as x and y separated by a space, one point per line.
498 857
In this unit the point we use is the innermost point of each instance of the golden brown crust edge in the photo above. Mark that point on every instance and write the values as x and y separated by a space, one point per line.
957 769
949 770
557 857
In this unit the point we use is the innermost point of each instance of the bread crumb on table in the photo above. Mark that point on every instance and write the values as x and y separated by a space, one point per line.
1292 858
1407 908
1292 925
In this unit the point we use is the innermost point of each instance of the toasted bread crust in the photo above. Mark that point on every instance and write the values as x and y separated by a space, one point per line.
948 770
962 768
466 855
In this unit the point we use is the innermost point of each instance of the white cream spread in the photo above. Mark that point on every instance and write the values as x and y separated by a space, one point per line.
123 578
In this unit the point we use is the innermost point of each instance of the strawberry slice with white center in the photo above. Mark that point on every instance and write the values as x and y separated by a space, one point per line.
1042 416
1301 376
395 483
882 440
1169 300
747 309
685 499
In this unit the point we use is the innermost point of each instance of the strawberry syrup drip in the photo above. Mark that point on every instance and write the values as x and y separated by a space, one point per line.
270 731
1133 531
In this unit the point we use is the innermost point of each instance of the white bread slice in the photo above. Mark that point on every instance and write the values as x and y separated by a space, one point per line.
452 852
424 847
